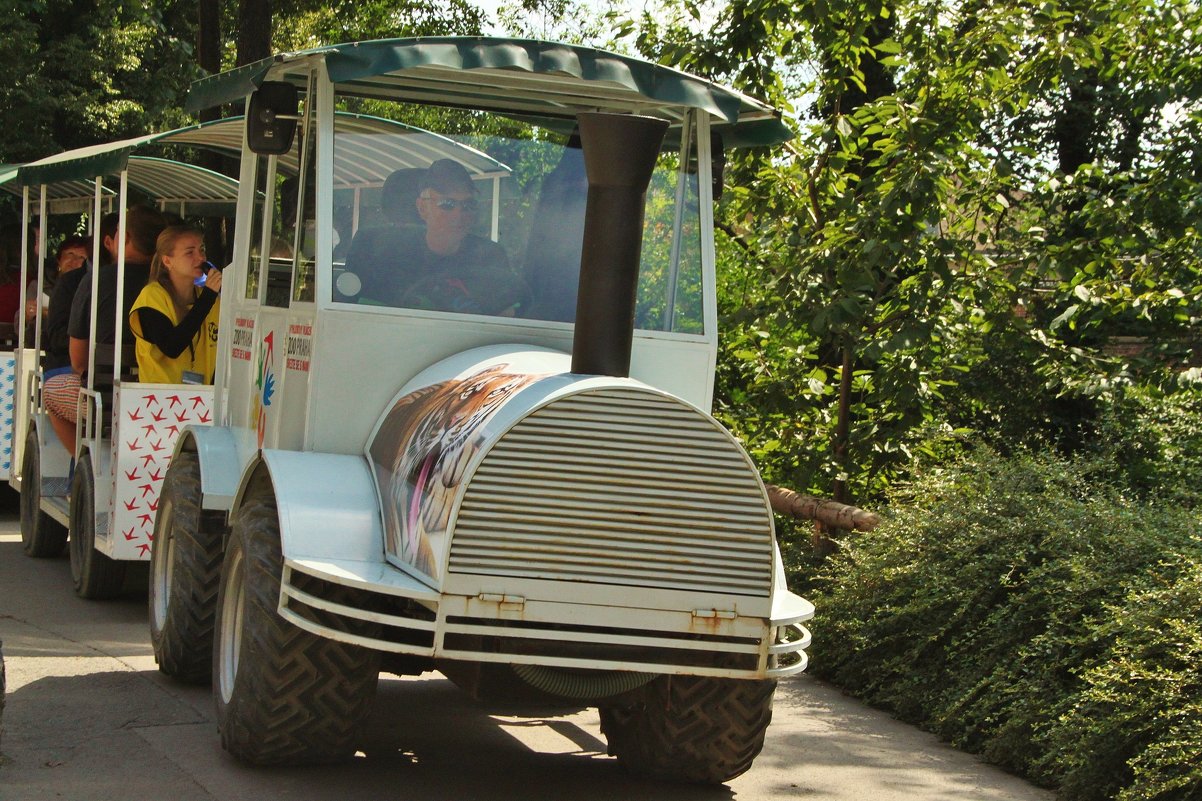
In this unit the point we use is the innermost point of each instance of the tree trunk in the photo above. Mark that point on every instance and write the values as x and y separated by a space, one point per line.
254 30
208 56
829 513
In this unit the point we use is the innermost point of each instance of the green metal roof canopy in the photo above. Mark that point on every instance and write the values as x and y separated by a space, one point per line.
369 148
513 76
167 182
85 163
370 151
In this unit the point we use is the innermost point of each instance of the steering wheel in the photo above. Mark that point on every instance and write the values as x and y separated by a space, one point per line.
465 294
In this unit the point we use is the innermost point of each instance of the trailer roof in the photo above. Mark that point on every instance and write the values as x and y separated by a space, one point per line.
164 180
513 76
364 157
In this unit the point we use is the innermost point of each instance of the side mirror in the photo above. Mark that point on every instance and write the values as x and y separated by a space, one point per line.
717 163
271 118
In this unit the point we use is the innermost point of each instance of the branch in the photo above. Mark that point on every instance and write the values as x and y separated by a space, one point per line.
804 507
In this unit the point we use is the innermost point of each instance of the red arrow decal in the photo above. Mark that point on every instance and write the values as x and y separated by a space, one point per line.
181 417
173 401
197 400
134 445
145 518
131 505
149 428
135 415
204 417
147 460
129 535
153 505
158 416
173 431
156 475
149 399
146 489
143 549
132 475
156 446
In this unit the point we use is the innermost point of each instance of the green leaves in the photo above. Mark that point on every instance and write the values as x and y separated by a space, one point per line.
1031 610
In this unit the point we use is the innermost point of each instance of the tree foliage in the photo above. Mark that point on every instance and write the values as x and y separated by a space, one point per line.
73 74
969 181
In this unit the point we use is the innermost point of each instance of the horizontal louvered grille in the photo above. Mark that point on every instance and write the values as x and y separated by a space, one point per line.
617 487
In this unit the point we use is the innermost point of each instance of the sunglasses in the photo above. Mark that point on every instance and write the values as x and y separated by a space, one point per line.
450 204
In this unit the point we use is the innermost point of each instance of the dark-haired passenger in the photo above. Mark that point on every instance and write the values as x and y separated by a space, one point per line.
60 394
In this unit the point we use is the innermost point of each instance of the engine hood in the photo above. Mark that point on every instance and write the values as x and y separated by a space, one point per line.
500 466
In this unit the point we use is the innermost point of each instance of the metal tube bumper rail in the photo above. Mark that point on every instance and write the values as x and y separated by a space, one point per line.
389 619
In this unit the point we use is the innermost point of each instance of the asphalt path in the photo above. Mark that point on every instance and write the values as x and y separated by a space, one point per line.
89 718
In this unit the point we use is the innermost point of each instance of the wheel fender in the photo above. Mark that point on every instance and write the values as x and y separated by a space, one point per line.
102 491
53 458
221 464
327 505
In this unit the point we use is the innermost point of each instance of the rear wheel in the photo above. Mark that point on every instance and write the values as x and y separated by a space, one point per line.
185 572
1 687
95 575
41 534
284 695
690 728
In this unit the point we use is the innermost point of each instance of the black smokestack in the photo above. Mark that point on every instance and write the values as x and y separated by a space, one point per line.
619 157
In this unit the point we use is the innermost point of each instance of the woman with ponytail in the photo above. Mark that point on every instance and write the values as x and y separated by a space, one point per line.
175 316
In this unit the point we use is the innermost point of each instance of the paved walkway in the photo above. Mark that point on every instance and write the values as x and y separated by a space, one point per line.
90 719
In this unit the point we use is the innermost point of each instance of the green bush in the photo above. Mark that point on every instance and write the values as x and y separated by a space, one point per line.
997 605
1154 443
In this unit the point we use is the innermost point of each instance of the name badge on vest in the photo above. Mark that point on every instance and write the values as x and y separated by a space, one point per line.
191 377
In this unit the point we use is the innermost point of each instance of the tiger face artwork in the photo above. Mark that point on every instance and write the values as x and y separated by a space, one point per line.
421 452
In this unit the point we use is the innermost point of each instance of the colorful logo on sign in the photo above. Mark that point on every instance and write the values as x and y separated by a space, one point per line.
264 384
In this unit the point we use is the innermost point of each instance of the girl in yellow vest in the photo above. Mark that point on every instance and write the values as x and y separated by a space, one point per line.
175 316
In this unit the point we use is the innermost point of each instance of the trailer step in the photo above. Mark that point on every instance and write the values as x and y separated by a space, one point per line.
58 507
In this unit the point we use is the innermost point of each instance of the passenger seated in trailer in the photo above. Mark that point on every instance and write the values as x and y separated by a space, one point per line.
175 316
60 381
70 256
60 394
72 260
440 265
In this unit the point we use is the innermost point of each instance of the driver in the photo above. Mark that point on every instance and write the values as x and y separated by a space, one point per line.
440 265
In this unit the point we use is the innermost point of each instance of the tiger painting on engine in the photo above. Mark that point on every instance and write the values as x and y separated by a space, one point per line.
421 451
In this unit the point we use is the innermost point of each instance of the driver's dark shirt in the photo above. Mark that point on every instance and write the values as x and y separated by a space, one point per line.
391 261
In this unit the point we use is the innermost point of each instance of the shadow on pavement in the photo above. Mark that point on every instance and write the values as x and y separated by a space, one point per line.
136 735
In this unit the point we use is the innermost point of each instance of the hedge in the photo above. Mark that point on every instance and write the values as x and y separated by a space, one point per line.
1029 609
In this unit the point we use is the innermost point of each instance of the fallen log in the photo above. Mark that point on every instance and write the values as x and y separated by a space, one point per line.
832 513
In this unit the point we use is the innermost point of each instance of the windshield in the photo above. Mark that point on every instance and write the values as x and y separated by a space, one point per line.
487 217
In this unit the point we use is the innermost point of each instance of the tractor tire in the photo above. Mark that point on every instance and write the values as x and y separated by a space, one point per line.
690 728
41 534
96 577
185 573
2 689
284 696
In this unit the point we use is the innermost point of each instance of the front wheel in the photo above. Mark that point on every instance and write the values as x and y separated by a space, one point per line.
185 572
284 695
690 728
41 534
95 575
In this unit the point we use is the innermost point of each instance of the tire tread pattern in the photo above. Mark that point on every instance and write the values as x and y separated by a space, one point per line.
691 728
96 576
41 535
183 647
297 698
